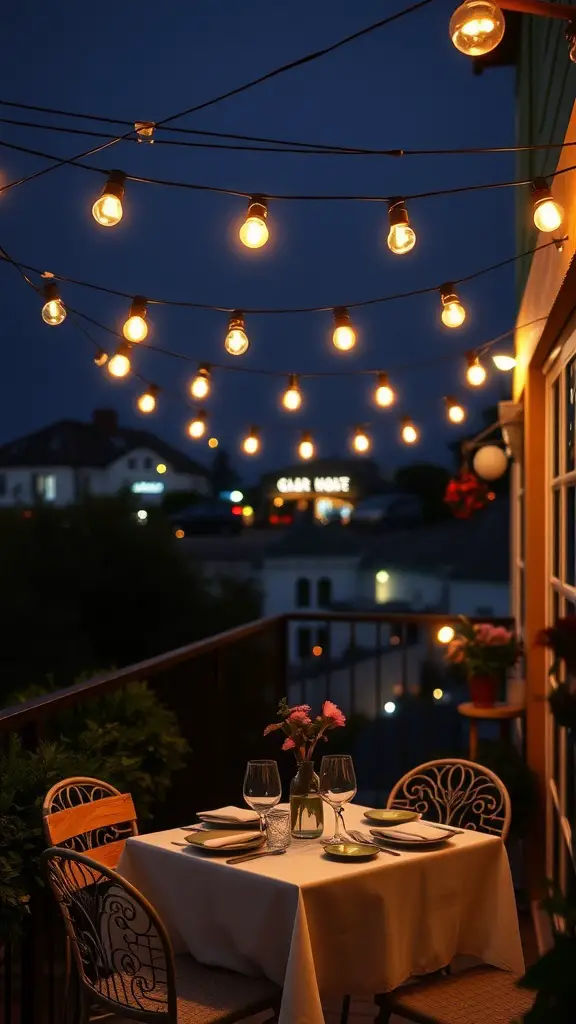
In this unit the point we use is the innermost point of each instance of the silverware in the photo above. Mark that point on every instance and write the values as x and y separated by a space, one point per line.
254 856
364 840
445 828
410 836
174 843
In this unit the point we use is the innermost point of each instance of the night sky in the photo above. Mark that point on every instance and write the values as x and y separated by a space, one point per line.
402 86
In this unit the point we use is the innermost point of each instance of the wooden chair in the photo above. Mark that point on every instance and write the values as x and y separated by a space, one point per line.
124 957
89 816
455 792
479 995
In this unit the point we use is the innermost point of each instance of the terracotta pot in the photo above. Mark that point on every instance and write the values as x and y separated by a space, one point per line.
483 691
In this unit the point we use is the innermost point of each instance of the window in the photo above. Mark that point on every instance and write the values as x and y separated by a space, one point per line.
324 592
148 462
323 641
304 642
132 463
303 592
382 587
44 485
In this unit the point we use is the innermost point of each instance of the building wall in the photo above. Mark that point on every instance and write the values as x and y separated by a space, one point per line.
17 485
419 590
477 598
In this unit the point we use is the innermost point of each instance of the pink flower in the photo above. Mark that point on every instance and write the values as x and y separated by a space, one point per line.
272 728
483 632
288 744
332 711
300 717
300 707
499 636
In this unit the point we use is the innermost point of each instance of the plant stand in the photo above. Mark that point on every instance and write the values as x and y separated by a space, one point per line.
505 714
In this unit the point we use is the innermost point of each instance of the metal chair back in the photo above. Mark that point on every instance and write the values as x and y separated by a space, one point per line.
89 816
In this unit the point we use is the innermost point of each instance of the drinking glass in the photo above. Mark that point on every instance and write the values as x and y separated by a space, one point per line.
279 831
337 787
262 788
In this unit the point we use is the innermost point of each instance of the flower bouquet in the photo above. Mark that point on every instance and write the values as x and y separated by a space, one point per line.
486 652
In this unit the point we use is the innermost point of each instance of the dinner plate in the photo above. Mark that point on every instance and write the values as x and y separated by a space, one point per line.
199 839
390 816
351 851
403 839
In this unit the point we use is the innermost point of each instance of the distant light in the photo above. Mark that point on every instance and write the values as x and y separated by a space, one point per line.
438 693
179 534
236 510
445 634
382 576
147 487
502 362
212 442
142 515
389 707
394 640
317 650
160 468
278 502
247 511
236 496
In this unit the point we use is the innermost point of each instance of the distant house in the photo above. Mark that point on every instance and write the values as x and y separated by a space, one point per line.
60 463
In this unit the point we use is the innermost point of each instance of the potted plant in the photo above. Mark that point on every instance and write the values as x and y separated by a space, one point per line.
486 652
561 639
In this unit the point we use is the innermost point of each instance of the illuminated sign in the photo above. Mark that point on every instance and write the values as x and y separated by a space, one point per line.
318 485
148 487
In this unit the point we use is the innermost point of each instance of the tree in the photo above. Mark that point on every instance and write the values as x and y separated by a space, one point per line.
428 482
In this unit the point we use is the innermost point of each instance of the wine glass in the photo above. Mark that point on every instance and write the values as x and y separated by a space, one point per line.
337 787
262 788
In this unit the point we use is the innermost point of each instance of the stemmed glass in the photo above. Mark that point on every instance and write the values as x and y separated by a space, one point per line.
262 788
337 787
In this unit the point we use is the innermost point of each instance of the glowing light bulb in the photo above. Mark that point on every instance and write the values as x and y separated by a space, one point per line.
107 210
503 362
292 397
384 395
401 236
344 335
453 313
476 27
475 373
212 442
161 468
254 231
119 365
251 443
135 328
306 447
53 310
548 214
200 386
197 426
410 433
445 634
146 402
361 442
456 412
236 341
101 357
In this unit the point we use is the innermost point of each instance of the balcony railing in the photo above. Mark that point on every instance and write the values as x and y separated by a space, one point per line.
381 668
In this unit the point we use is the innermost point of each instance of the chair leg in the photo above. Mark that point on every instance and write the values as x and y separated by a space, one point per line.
345 1012
384 1011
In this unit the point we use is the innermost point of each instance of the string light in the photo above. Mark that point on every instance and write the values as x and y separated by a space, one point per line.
251 443
361 442
254 231
410 432
53 310
161 468
453 313
384 395
212 442
101 357
200 385
135 328
292 397
401 236
306 447
236 341
548 214
107 210
475 372
119 365
197 426
476 27
503 362
146 402
456 413
344 335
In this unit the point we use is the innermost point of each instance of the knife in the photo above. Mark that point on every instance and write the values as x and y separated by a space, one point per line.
254 856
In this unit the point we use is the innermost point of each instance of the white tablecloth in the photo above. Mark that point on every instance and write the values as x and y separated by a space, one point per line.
318 926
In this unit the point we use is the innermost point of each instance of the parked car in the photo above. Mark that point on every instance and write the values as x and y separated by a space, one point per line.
208 517
388 510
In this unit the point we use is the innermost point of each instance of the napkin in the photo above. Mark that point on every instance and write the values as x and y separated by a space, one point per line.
232 814
417 829
240 839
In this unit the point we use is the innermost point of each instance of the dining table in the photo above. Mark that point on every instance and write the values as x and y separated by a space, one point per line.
319 927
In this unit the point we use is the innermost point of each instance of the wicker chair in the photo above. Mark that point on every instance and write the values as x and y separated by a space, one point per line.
480 995
455 792
89 816
124 957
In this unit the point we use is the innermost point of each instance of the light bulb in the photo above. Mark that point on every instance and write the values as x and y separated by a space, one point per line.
401 237
344 335
254 231
197 426
477 27
384 395
306 447
135 328
361 441
475 373
236 341
107 210
548 214
119 365
251 443
456 412
101 357
53 310
146 402
212 442
410 433
200 386
453 313
292 397
503 362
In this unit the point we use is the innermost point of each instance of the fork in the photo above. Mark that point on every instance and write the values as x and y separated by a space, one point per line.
364 840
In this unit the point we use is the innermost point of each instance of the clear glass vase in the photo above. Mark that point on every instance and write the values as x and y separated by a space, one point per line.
306 807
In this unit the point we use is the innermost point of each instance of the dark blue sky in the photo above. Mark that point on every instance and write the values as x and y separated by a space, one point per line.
402 86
